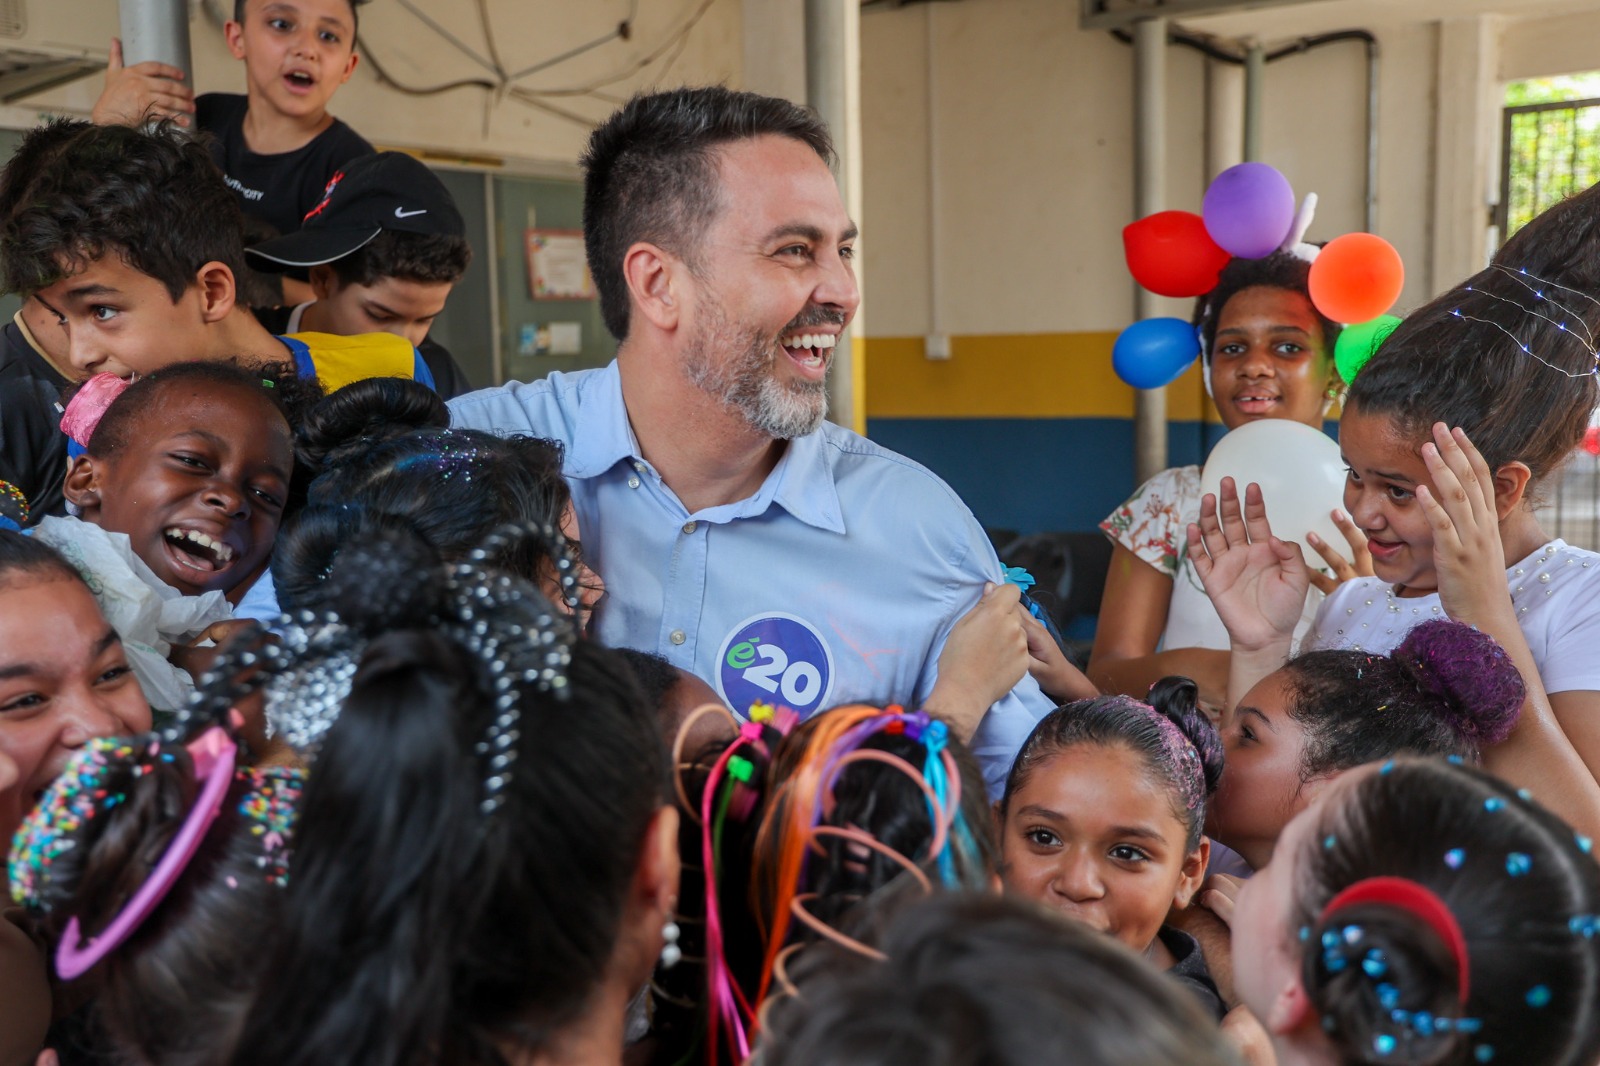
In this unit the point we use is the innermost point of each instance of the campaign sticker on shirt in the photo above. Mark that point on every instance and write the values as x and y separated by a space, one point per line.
778 659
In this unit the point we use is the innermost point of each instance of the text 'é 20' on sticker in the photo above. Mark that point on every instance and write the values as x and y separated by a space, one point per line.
777 659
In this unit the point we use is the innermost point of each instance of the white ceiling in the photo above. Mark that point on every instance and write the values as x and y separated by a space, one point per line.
1321 16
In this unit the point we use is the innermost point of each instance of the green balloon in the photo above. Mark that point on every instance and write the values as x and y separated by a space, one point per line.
1360 342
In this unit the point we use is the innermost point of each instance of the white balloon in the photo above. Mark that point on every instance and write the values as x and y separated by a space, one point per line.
1300 473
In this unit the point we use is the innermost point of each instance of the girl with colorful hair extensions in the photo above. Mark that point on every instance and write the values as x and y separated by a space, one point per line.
1450 431
1424 913
140 867
1102 815
853 801
486 863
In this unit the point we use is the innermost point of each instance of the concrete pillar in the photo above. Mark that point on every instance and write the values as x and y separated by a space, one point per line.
833 89
1466 140
1150 194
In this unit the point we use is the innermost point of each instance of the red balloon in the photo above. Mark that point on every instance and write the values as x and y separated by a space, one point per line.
1171 254
1356 278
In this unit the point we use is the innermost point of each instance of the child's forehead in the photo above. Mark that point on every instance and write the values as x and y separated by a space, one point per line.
342 11
229 410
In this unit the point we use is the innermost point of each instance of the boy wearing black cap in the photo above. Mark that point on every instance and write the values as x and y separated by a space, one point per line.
384 248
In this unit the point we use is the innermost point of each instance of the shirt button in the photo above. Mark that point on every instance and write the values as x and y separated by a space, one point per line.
689 527
633 482
677 636
638 464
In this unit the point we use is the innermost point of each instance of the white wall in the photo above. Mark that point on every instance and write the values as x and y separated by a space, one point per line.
1031 125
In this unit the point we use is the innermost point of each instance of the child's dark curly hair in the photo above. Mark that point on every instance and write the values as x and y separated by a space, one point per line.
278 383
1446 690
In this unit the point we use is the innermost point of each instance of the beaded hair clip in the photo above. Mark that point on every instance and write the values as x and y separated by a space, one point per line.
506 624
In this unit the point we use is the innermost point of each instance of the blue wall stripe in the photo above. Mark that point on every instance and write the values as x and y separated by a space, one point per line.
1037 474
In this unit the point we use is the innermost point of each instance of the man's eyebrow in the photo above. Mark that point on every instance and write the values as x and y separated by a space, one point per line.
807 232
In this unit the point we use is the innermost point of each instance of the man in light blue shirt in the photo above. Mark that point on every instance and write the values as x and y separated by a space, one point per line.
750 542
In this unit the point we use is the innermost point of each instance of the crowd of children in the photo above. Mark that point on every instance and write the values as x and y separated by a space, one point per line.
311 749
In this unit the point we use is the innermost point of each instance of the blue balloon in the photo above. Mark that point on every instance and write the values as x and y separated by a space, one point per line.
1152 353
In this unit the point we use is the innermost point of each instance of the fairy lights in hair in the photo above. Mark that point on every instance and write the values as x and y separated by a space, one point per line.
511 630
1538 288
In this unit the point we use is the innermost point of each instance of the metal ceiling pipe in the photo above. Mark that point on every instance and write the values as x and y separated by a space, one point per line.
1150 194
1255 87
156 30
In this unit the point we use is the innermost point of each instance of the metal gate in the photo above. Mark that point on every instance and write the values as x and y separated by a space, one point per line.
1548 152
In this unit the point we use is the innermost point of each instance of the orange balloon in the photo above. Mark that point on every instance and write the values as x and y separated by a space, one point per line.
1356 278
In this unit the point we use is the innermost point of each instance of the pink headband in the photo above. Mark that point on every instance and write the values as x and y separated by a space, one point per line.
213 753
89 404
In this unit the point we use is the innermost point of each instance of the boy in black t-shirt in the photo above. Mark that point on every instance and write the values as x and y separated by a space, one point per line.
384 248
277 146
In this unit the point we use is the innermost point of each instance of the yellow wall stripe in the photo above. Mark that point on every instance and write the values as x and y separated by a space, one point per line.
1010 375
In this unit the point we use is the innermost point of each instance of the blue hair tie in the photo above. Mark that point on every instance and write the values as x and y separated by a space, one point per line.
936 737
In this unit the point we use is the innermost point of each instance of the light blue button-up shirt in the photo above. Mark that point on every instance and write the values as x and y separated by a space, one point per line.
837 582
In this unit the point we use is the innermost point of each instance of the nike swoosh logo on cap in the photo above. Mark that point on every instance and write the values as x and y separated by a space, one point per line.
401 212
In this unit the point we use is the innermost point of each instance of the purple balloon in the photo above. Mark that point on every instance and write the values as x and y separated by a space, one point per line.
1249 209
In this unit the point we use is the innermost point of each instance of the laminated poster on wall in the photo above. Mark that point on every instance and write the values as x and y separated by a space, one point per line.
558 269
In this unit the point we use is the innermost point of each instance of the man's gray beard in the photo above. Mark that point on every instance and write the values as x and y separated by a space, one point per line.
748 382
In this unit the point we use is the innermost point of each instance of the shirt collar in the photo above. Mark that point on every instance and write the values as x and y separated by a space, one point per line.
802 483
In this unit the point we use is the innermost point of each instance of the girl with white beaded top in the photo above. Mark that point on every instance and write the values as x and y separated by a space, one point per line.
1450 431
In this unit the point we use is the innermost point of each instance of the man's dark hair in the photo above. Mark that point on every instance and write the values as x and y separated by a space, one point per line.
355 12
75 192
408 256
651 175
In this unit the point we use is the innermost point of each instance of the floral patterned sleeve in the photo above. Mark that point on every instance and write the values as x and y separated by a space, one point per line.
1152 522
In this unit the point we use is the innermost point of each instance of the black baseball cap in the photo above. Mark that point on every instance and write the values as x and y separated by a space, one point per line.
383 191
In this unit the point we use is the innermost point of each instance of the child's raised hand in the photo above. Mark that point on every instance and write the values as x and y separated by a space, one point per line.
144 90
1257 582
1468 557
1057 676
1358 565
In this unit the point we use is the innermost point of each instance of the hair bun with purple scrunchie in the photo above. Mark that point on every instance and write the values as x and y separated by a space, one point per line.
1479 689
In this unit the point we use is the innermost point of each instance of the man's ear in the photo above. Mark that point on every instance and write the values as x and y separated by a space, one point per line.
1193 873
82 487
350 67
218 291
234 33
1510 487
324 281
655 280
